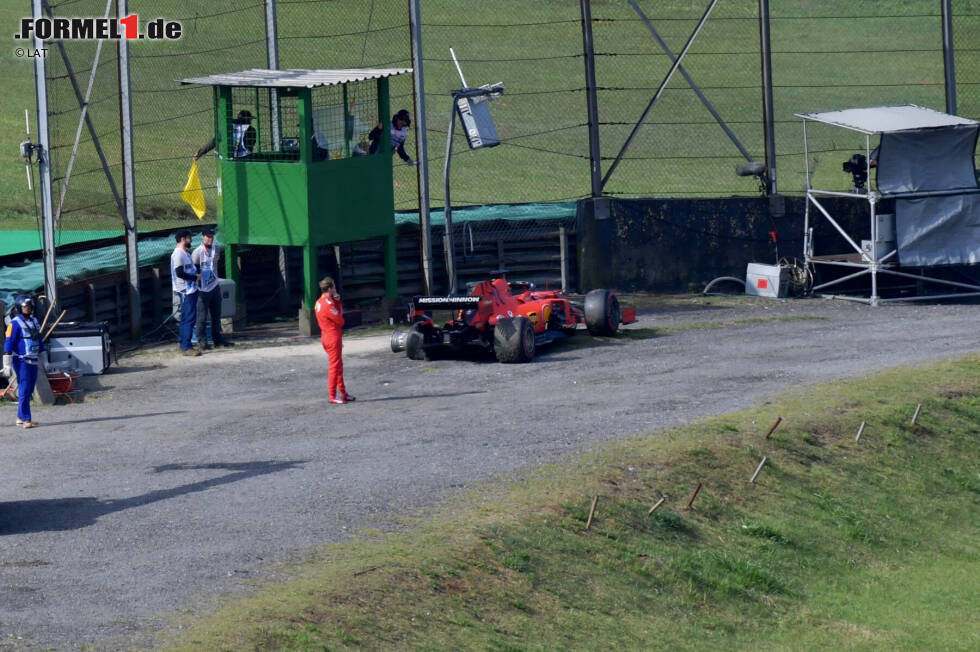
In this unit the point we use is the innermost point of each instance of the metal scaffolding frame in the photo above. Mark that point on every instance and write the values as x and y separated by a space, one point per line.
871 263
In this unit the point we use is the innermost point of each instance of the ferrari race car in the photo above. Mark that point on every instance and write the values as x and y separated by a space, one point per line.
508 319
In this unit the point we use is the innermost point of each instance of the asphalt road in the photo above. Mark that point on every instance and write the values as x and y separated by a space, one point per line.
177 478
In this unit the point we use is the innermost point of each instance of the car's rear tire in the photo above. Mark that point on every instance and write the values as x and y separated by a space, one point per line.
415 345
513 340
398 338
602 313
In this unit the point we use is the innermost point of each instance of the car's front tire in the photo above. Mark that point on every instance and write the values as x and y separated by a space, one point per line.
602 313
398 338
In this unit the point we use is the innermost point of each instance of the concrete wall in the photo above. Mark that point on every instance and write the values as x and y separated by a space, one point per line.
682 244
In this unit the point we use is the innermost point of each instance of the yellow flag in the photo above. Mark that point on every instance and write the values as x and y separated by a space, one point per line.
193 194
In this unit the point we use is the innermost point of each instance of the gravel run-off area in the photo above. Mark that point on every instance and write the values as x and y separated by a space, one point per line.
176 480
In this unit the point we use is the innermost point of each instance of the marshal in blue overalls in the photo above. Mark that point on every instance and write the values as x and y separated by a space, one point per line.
21 348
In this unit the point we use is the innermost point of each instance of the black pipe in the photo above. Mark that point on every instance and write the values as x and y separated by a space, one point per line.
592 102
948 65
767 108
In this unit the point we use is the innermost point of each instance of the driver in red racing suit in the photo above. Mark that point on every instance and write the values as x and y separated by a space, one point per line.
330 317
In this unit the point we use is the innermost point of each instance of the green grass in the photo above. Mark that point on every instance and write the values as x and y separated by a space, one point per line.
838 544
892 54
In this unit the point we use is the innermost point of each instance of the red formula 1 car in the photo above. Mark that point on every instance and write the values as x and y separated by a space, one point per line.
509 319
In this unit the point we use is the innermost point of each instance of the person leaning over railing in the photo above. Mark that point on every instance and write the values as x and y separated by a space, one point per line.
400 122
243 137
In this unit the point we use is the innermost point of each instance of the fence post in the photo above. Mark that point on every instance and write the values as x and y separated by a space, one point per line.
592 102
129 181
422 143
563 243
449 246
44 163
767 106
948 65
272 57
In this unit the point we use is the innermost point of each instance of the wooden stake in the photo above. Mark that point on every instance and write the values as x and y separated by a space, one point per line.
916 415
694 495
595 501
658 504
758 468
47 314
54 325
11 388
779 420
860 430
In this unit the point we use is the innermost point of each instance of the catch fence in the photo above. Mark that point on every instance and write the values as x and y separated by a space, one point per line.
825 55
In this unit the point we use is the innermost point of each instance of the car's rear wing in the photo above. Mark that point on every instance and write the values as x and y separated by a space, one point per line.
445 302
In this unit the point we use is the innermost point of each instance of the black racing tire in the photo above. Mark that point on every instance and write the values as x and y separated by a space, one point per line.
414 345
398 338
513 340
602 313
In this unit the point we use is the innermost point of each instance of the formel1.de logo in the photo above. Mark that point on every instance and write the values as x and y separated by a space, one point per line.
67 29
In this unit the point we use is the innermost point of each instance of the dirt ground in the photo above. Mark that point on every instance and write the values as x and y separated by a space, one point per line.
177 480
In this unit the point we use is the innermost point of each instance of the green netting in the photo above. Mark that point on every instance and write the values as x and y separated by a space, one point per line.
437 217
14 242
30 276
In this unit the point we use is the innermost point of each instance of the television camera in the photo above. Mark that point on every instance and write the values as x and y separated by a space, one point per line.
857 167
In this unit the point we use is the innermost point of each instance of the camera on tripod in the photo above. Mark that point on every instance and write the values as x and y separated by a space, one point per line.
857 166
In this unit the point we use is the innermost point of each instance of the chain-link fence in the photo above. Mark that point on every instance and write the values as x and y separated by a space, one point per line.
170 121
85 146
825 55
839 55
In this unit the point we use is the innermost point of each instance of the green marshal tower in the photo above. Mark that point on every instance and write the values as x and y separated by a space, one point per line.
296 168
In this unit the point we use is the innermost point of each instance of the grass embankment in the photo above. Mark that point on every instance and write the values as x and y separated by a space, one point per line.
839 544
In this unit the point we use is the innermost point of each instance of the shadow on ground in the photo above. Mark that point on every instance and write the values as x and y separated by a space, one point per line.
60 514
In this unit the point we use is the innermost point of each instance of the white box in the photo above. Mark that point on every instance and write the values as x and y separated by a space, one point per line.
80 347
766 280
226 287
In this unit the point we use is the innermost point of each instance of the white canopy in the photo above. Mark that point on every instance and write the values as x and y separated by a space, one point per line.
294 77
887 119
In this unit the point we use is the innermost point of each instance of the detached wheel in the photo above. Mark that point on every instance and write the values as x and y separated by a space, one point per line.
602 313
513 340
398 338
414 345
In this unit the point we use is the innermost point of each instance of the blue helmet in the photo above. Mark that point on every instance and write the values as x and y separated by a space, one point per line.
24 300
